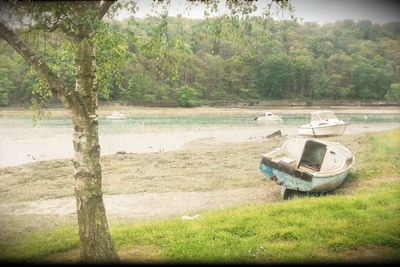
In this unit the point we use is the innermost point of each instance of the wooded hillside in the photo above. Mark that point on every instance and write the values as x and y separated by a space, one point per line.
206 61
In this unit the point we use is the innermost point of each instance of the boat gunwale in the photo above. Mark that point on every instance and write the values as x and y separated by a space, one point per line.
324 174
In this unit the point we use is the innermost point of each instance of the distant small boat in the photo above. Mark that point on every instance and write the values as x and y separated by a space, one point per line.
323 123
116 116
307 165
269 116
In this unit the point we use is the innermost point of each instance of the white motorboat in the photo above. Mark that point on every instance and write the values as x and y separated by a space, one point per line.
269 116
307 165
323 123
116 116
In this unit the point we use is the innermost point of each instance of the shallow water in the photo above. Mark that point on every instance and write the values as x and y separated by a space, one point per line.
21 142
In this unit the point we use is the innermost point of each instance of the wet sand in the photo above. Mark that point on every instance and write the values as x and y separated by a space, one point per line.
22 144
16 152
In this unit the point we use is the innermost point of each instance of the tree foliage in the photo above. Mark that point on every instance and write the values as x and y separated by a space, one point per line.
187 96
226 59
393 94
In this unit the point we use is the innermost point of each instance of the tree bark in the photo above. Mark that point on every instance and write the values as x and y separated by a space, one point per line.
96 242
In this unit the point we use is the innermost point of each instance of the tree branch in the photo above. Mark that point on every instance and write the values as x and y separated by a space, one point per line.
55 84
104 7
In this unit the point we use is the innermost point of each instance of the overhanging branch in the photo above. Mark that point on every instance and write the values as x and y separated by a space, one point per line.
55 84
104 6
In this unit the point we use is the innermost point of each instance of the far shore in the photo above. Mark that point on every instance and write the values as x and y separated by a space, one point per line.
205 110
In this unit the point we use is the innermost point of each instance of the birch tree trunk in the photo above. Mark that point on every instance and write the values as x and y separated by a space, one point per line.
96 242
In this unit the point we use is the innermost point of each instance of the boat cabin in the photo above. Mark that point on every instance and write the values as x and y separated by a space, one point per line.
323 116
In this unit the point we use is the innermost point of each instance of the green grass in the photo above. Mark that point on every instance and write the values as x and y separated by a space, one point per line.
40 244
380 156
302 230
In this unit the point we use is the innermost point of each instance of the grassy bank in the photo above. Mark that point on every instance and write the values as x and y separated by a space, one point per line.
361 227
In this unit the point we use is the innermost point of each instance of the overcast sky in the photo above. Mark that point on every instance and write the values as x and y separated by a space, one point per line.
321 11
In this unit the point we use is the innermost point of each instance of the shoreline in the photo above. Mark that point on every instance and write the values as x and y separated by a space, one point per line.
138 110
23 143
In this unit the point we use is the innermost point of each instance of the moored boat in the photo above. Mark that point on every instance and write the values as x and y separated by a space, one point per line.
307 165
268 116
323 123
116 116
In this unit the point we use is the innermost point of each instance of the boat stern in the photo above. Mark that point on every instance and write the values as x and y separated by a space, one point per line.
286 175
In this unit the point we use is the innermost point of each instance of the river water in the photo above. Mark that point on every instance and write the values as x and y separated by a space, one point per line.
22 142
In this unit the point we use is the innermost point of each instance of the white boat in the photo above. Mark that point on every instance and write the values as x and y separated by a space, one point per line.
307 165
323 123
269 116
116 116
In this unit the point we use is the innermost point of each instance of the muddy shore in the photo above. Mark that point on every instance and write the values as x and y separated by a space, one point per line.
21 142
203 174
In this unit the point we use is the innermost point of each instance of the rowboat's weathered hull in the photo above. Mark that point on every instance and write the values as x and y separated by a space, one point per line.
317 184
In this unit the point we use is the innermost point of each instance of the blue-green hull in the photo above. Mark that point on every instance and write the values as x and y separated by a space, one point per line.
316 184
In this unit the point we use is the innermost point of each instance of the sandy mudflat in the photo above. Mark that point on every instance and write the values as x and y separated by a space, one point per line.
212 169
22 143
204 175
48 147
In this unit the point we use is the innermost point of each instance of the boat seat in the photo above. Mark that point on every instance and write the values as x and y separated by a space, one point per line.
286 160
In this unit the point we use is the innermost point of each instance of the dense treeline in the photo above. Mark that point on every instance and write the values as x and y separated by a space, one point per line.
202 61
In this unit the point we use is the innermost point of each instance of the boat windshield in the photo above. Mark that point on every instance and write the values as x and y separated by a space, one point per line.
313 155
322 116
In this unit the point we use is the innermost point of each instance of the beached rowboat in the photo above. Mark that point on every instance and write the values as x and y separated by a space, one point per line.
307 165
